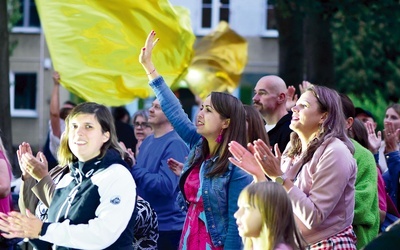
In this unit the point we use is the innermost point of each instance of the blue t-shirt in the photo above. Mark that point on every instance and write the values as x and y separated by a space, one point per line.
156 183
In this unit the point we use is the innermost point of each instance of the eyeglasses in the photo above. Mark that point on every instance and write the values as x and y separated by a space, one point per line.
141 124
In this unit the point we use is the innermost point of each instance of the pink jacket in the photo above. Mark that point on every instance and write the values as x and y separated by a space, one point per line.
6 202
323 193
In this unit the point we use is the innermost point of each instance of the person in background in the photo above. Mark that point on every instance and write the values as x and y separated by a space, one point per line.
318 160
5 191
156 183
366 211
270 99
142 129
265 218
365 116
92 208
209 185
122 126
57 116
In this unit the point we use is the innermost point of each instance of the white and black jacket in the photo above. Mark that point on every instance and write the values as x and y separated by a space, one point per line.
92 207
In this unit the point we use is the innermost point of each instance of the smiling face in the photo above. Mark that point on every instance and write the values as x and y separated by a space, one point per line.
85 136
307 117
141 128
248 219
209 121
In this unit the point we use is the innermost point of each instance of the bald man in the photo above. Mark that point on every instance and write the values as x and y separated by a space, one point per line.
270 99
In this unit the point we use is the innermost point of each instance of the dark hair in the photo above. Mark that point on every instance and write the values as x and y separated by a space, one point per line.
120 112
348 106
359 132
255 125
105 119
228 107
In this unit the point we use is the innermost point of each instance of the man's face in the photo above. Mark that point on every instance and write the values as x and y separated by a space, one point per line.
265 98
156 115
365 118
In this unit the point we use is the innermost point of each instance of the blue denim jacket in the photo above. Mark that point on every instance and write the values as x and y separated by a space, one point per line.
220 194
391 176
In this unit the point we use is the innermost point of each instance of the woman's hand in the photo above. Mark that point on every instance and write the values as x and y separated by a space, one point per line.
374 140
31 166
175 166
270 164
17 225
146 52
391 137
245 160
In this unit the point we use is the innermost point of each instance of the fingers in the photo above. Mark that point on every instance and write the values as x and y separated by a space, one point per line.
43 159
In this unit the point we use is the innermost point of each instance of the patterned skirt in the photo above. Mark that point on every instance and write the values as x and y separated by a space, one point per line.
345 240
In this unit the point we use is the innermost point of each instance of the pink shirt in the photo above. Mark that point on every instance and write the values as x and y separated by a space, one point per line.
323 193
6 202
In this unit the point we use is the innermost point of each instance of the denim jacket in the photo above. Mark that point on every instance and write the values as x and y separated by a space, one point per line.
220 194
391 176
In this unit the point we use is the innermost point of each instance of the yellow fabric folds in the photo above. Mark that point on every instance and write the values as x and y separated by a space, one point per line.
218 63
95 45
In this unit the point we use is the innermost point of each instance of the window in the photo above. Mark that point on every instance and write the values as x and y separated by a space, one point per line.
269 27
29 21
212 12
23 94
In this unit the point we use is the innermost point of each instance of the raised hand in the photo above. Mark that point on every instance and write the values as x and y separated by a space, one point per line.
146 52
270 163
244 159
304 86
31 166
175 166
56 78
391 137
291 97
374 140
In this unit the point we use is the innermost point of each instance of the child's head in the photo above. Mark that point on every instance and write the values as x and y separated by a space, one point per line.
89 132
265 212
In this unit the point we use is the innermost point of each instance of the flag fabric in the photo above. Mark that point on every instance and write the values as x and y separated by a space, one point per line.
219 60
95 45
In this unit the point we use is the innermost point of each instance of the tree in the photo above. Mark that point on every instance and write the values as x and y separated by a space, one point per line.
5 25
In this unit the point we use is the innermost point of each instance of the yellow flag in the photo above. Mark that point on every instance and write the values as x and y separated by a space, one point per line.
218 63
95 45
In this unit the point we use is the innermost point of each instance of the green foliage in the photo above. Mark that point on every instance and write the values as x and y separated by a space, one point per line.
14 15
366 49
376 105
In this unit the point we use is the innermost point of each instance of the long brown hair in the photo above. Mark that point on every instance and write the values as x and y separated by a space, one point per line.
106 121
255 125
228 107
278 224
334 125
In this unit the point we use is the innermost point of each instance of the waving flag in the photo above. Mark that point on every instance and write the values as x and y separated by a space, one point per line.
95 45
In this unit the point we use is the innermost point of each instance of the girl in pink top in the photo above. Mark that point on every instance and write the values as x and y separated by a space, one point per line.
265 218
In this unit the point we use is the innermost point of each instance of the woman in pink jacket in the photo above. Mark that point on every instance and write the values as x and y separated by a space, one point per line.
317 169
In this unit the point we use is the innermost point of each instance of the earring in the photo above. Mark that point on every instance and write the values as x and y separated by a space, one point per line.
219 138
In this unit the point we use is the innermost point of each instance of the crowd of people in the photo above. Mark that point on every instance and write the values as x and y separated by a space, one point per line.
288 172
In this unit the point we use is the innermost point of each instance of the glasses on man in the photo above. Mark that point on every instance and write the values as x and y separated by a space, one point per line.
141 125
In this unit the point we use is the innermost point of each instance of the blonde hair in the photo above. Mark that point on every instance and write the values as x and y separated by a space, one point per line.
106 121
278 224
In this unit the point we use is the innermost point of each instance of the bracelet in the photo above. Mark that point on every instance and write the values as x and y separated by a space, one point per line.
151 72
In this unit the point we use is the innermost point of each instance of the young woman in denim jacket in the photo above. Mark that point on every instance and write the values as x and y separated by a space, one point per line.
210 185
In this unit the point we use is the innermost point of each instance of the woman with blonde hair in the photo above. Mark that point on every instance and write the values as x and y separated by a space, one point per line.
265 218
